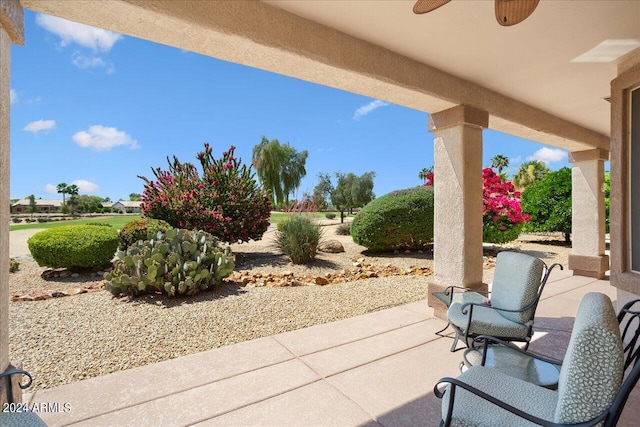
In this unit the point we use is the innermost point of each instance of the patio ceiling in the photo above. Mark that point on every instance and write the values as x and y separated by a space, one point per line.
523 75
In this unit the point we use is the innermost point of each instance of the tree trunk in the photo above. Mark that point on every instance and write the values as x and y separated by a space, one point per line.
341 217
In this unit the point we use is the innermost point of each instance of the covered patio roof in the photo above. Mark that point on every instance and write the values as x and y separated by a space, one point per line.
526 77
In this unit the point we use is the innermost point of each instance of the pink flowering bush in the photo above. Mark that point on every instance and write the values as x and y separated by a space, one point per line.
225 201
502 215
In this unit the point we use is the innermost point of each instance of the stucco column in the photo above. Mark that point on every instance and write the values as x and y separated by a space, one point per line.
588 213
11 31
457 237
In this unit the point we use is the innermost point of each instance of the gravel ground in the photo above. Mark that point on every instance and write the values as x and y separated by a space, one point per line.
67 339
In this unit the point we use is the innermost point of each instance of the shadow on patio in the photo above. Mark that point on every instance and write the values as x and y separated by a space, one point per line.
375 369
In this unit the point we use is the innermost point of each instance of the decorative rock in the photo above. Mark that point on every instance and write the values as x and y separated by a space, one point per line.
59 294
321 281
75 275
331 246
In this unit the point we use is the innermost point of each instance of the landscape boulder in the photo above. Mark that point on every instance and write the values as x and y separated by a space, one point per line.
331 246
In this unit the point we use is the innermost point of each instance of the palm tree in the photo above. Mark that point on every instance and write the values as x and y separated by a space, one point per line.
500 162
530 172
424 172
72 191
62 188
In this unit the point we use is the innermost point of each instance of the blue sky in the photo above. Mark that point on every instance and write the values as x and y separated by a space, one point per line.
96 108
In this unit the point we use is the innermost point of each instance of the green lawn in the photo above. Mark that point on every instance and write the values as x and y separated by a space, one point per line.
117 221
278 217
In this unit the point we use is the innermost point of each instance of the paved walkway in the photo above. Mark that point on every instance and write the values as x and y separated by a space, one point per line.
375 369
18 242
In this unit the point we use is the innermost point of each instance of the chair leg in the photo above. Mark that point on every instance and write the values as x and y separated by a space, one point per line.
455 342
439 333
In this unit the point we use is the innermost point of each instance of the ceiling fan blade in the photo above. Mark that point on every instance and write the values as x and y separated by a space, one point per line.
512 12
424 6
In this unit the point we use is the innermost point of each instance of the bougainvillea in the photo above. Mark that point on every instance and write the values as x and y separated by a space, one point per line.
502 215
225 201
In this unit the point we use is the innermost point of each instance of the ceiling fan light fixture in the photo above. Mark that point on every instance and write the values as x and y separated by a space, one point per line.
424 6
512 12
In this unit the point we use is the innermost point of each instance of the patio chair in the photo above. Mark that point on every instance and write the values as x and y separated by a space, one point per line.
590 390
518 283
541 370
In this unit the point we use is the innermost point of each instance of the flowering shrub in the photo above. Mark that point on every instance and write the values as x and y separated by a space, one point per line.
502 215
225 201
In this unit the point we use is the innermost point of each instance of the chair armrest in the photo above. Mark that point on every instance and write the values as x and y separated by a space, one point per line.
451 289
457 383
10 372
487 338
520 310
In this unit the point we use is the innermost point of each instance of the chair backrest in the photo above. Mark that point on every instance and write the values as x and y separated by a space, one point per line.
516 281
629 320
592 369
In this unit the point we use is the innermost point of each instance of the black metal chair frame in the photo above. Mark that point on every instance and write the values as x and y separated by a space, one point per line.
610 415
468 308
9 385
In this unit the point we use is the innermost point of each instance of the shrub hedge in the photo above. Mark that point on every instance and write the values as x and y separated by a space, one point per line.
74 247
400 219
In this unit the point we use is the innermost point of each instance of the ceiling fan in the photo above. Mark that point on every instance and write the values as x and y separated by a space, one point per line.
508 12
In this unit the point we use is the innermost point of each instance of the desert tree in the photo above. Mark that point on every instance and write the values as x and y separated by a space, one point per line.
280 168
530 172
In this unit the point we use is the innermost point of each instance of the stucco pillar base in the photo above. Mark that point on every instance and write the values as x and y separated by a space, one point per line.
15 383
590 266
440 308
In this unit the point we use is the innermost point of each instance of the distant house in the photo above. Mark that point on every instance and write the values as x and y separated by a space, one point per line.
42 206
107 204
126 206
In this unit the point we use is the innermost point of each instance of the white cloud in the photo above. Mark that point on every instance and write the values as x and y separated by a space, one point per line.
50 189
515 160
40 126
367 108
13 95
83 62
101 138
85 186
70 32
549 155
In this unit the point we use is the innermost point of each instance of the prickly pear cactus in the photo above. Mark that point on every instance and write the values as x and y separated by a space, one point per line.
176 262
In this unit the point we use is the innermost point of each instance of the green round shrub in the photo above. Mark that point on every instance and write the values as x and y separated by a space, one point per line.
400 219
330 215
139 229
74 247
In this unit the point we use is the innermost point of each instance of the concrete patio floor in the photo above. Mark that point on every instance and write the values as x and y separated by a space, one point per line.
375 369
